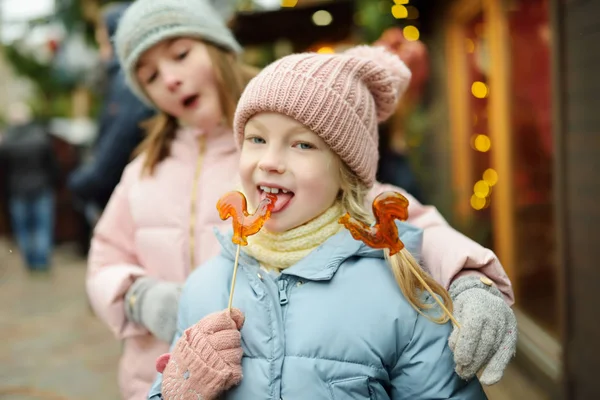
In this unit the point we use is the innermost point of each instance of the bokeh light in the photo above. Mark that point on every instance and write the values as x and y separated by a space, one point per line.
411 33
479 90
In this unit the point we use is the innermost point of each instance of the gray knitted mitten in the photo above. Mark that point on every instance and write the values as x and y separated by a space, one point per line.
154 304
488 332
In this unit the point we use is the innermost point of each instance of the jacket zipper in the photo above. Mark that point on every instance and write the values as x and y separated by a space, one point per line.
193 205
283 297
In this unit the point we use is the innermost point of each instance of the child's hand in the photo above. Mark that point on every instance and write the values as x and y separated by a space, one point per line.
488 333
154 305
207 359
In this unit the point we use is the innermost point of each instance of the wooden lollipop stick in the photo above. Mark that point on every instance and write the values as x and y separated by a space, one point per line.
233 205
235 268
448 313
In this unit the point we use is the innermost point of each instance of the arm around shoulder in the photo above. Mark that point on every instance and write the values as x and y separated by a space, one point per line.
448 254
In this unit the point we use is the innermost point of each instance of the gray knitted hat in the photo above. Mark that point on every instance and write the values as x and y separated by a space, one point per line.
148 22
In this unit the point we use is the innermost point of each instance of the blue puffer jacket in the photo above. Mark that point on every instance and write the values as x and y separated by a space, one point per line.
333 326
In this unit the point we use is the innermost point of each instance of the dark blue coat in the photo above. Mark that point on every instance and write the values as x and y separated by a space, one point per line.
119 133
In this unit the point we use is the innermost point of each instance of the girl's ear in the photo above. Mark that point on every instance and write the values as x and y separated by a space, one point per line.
161 362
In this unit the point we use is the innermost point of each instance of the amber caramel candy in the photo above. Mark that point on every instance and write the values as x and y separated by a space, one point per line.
233 204
387 207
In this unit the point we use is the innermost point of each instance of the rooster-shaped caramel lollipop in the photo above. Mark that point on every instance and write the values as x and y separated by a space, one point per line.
233 204
387 207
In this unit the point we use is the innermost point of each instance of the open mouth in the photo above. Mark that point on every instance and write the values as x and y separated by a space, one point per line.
284 196
190 101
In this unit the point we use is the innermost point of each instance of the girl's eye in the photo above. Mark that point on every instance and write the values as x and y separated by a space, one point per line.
181 55
151 78
255 140
304 146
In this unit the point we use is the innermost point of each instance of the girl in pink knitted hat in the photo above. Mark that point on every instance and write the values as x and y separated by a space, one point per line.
321 315
179 56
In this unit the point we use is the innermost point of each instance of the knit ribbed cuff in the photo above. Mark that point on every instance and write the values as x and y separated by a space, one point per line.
197 370
135 297
473 282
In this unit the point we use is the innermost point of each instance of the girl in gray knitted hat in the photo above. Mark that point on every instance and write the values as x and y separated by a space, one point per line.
179 56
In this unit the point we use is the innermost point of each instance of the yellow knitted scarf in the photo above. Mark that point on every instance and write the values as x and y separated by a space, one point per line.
277 251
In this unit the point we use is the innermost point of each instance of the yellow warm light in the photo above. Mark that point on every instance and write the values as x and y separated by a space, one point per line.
479 90
470 46
399 11
411 33
482 189
490 176
289 3
325 50
482 143
477 203
401 1
322 18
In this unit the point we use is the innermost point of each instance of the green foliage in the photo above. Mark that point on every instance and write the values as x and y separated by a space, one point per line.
374 16
41 74
416 130
52 96
70 14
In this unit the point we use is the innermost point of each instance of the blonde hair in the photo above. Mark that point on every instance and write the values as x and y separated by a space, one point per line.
232 78
353 196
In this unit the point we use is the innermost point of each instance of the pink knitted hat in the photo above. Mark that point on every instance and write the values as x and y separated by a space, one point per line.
340 97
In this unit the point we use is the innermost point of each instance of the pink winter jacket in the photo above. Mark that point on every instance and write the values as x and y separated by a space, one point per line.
145 230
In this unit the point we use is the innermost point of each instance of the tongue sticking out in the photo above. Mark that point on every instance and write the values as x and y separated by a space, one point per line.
282 200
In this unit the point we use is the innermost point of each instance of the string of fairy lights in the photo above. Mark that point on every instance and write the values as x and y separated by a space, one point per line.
482 189
400 9
403 10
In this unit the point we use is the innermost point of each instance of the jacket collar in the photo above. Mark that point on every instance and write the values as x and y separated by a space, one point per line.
219 141
323 262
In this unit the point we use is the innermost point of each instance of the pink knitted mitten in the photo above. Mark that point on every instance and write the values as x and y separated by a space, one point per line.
206 360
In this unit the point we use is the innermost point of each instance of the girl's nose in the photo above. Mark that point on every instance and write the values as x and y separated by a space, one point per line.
272 162
172 81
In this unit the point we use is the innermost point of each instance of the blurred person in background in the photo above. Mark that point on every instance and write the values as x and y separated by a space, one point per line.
31 172
119 129
394 164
